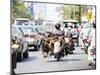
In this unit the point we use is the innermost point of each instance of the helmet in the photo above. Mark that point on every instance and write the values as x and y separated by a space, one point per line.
69 24
57 26
66 25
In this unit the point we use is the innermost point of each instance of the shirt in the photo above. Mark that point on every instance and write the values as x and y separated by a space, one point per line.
58 32
92 38
57 47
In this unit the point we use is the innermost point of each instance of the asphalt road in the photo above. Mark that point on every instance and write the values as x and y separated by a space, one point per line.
36 63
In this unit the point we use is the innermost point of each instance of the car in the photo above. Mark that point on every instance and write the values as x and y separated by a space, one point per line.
19 44
22 22
41 33
31 36
40 30
50 25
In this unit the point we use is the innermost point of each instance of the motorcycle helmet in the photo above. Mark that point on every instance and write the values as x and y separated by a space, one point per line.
66 25
57 26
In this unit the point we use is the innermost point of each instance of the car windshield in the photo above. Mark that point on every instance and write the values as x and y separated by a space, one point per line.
27 29
40 29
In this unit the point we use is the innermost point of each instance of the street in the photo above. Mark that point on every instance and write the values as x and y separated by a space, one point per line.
69 26
36 63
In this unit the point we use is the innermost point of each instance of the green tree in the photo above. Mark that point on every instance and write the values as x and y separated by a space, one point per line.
19 10
68 11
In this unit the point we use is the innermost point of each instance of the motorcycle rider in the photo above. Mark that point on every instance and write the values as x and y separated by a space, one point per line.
68 30
58 33
68 37
57 30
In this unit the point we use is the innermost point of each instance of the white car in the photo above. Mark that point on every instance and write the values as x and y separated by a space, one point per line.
19 44
22 21
31 36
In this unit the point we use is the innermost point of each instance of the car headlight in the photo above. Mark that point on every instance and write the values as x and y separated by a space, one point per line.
15 46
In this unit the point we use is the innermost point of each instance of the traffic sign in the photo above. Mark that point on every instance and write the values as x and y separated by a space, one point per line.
89 15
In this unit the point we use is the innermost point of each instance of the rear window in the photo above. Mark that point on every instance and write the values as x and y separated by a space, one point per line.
22 22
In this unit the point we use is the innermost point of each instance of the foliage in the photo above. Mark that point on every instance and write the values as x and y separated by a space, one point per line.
19 10
68 11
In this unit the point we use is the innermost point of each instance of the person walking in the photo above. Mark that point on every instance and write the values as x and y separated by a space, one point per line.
92 45
84 34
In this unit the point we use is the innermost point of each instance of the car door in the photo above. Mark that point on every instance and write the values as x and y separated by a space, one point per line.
23 40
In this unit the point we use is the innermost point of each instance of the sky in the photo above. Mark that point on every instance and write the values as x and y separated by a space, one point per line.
52 13
48 11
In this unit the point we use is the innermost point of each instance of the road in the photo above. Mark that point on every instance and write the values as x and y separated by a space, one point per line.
36 63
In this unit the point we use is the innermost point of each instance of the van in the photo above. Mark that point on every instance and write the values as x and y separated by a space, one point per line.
49 26
22 21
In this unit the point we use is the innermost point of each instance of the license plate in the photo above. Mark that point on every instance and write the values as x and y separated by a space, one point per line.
15 46
86 44
31 48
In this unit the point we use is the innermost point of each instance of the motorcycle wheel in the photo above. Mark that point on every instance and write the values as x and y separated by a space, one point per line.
57 56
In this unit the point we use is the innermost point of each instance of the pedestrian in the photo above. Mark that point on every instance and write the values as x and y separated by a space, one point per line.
84 34
80 35
92 45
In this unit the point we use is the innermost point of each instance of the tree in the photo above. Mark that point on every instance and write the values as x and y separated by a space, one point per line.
19 10
68 11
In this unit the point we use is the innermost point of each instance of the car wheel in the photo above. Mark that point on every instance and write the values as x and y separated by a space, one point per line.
71 52
36 48
19 56
25 55
58 56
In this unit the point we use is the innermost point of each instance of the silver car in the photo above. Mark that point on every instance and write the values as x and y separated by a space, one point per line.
19 44
31 36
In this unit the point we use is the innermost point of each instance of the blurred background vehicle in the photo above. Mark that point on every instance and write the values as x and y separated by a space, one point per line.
22 21
49 26
19 43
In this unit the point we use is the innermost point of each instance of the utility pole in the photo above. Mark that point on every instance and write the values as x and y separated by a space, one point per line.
32 9
79 14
